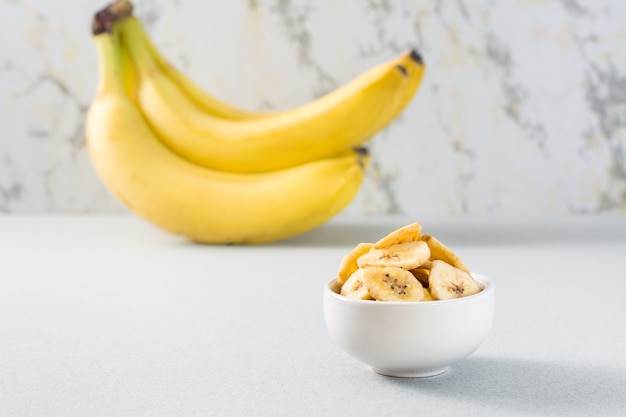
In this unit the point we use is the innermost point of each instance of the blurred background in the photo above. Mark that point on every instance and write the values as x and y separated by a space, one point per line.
522 110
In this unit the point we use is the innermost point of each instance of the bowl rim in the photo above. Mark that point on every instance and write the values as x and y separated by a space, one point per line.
488 287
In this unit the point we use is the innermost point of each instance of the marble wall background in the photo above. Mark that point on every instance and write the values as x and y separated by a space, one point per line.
522 109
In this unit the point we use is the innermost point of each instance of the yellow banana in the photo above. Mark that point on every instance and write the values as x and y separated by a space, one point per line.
204 205
344 118
129 78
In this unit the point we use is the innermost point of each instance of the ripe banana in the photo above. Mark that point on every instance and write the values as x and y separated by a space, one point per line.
344 118
205 205
129 74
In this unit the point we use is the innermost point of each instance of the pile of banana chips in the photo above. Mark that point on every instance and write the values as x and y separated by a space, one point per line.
405 265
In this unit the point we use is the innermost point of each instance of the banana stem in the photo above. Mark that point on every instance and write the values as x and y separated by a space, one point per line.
106 38
103 20
121 9
109 62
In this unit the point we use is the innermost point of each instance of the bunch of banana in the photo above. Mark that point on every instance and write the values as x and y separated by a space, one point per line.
194 165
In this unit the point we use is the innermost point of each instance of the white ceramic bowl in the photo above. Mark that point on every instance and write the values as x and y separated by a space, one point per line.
409 339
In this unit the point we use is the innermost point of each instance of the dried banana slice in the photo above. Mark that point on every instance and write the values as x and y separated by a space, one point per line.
427 296
348 263
440 251
408 233
446 282
392 284
354 287
407 255
422 272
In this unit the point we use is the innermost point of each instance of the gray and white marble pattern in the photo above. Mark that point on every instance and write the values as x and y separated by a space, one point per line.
522 110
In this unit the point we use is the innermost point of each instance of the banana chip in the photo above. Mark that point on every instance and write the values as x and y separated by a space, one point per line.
405 266
408 233
446 282
392 284
422 273
354 287
440 251
407 255
427 296
348 263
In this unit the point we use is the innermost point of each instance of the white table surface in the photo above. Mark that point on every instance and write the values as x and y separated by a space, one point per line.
108 316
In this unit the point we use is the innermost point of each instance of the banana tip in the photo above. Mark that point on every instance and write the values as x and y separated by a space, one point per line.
363 155
415 56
